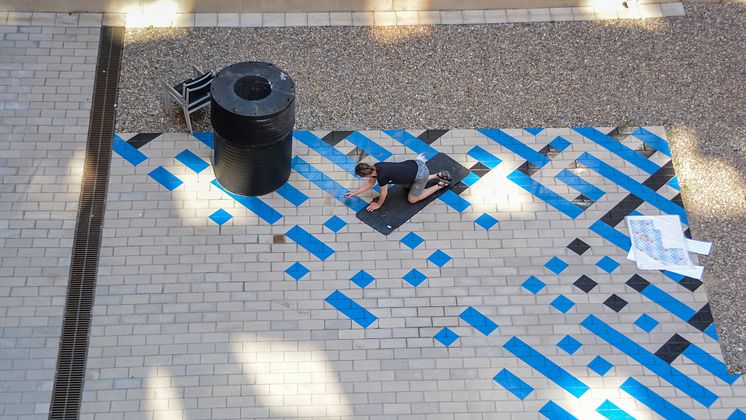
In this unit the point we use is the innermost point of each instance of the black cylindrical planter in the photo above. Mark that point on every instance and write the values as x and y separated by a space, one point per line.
252 112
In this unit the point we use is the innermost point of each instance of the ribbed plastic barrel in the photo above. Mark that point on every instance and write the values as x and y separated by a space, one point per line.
253 113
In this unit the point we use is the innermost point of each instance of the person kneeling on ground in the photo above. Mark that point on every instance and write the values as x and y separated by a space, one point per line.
413 174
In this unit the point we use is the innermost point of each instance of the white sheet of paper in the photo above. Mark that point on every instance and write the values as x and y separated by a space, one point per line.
698 247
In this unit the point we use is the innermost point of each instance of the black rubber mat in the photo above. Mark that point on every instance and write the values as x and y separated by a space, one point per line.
70 375
396 210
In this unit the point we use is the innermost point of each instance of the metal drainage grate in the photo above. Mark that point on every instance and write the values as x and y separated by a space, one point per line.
68 382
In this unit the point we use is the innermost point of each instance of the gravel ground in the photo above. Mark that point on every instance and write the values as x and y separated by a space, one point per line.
685 73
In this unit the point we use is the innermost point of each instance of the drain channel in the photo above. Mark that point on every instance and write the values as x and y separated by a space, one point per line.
68 381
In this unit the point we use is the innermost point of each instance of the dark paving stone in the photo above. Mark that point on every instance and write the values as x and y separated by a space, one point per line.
702 319
615 302
141 139
672 348
585 283
480 169
334 137
690 283
528 168
583 202
429 136
637 282
579 247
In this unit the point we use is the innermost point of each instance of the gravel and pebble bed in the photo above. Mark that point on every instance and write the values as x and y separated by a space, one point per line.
686 73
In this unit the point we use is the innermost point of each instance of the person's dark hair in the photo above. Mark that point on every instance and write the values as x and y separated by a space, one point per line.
364 169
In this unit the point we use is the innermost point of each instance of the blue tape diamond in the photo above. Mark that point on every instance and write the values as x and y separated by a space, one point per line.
646 323
439 258
220 216
297 271
362 278
607 264
412 240
562 304
335 224
533 285
556 265
446 337
569 344
486 221
414 277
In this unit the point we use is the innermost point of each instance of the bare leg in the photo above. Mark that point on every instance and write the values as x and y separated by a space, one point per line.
426 193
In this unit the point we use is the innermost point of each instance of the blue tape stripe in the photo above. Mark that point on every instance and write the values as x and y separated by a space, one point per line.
552 411
127 151
292 194
711 332
505 140
484 157
455 201
618 149
327 184
413 143
256 205
324 149
655 364
629 184
612 412
300 236
351 308
580 185
652 140
207 138
477 320
192 161
612 235
514 384
653 401
555 200
709 363
165 178
547 367
670 303
369 146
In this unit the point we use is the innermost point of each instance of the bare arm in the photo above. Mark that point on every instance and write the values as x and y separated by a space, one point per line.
368 185
381 199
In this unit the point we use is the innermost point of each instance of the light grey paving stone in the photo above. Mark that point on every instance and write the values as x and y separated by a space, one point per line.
561 13
228 19
495 16
296 19
583 13
474 16
340 18
539 15
363 19
205 19
428 17
318 19
672 9
251 19
517 15
407 18
273 19
453 17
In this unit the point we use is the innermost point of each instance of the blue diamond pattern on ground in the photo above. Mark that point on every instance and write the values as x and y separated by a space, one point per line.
335 224
446 337
533 285
486 221
165 178
220 216
607 264
562 304
192 161
297 271
412 240
559 143
600 365
569 344
439 258
534 131
362 278
471 179
737 415
414 277
646 323
556 265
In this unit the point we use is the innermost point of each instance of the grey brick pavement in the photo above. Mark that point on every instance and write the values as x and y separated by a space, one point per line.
46 77
195 320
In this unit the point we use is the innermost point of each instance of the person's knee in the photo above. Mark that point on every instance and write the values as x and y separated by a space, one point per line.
412 199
